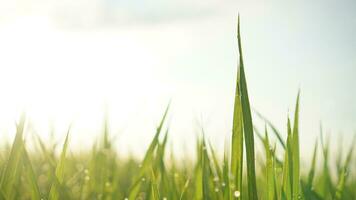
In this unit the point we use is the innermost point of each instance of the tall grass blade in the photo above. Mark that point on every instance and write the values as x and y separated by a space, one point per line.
31 177
269 169
273 127
287 166
147 161
154 186
237 138
12 173
313 166
225 181
247 125
295 152
55 192
343 173
326 188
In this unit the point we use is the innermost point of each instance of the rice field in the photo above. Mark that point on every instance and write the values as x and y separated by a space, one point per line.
100 173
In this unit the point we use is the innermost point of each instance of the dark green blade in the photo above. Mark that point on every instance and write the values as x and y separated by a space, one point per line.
247 125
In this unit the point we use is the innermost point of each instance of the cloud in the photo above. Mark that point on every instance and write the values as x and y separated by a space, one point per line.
101 13
136 12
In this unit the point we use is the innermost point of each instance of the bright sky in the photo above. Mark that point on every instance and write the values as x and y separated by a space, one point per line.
65 61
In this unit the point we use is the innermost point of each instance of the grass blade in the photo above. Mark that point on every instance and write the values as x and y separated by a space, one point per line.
237 138
55 192
31 177
269 169
287 166
343 174
273 127
145 166
312 168
12 172
295 152
247 125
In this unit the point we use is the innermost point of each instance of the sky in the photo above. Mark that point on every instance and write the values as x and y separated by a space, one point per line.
66 62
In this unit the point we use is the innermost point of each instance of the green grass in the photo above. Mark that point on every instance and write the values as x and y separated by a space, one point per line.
100 173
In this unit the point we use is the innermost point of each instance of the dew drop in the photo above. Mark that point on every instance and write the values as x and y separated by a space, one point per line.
237 194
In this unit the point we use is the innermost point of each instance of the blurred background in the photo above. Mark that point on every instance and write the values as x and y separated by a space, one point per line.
68 61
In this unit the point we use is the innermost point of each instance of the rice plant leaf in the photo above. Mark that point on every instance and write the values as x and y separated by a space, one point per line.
350 153
259 135
134 190
307 186
327 188
55 192
237 138
198 178
185 187
341 185
295 153
216 162
154 186
287 166
46 153
31 177
106 141
343 173
60 192
247 125
225 184
206 173
150 152
339 163
273 127
12 172
269 169
312 168
167 188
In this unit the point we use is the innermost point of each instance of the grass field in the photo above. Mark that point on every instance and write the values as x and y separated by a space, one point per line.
101 174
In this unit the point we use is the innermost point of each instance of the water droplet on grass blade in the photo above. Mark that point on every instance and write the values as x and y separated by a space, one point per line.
237 194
